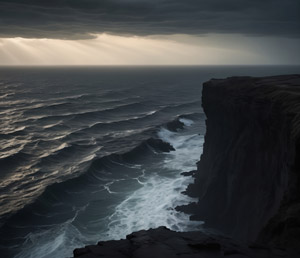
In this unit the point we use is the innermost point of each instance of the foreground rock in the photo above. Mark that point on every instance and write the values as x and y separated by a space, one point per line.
247 182
164 243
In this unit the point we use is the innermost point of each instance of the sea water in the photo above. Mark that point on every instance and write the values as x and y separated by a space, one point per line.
76 163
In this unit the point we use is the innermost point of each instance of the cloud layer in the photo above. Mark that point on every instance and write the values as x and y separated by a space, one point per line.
80 19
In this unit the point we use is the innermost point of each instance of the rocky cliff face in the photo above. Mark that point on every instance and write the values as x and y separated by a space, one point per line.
247 181
249 170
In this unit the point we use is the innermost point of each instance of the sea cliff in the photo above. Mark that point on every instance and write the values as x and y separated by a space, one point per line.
250 164
247 180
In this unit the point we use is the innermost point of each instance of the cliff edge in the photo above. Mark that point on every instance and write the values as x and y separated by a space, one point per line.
247 181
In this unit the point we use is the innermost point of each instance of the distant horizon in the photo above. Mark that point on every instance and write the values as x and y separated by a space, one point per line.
158 65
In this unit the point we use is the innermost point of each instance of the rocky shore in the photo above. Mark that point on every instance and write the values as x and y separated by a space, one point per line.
247 180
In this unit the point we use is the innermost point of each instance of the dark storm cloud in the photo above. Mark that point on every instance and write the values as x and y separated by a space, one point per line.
74 19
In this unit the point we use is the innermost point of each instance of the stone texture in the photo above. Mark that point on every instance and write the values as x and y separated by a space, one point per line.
249 170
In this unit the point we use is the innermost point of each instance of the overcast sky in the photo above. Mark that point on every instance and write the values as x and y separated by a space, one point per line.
143 31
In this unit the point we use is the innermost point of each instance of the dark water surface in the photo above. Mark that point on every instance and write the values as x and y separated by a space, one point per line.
78 162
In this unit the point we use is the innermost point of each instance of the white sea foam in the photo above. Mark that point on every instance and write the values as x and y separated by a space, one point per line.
187 122
153 204
188 149
63 238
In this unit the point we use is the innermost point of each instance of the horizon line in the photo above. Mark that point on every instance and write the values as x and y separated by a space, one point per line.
140 65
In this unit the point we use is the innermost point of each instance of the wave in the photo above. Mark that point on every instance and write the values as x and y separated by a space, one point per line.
65 154
68 109
145 120
138 196
13 161
5 95
13 131
134 114
103 183
37 110
150 146
196 104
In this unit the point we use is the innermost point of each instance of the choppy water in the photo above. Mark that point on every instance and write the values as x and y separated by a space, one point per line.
78 163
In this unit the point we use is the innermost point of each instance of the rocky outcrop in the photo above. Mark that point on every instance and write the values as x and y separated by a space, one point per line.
164 243
247 181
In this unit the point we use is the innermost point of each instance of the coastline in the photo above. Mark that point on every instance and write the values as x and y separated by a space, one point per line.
251 155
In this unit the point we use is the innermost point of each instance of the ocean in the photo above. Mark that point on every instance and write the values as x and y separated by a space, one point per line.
94 153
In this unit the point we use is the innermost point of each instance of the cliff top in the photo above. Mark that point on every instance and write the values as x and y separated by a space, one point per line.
281 90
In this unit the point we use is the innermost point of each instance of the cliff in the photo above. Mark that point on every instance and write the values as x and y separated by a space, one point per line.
249 170
247 180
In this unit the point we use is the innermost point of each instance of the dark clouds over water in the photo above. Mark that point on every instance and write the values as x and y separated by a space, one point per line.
77 19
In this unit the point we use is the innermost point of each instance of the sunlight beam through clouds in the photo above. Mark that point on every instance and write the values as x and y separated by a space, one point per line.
108 49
